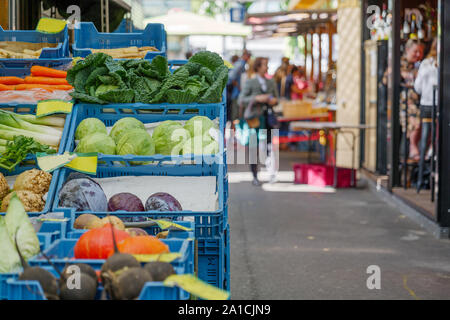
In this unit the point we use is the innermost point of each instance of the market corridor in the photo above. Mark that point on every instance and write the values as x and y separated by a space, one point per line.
318 245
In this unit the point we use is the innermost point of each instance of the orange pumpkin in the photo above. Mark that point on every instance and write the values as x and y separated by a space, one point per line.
98 243
142 245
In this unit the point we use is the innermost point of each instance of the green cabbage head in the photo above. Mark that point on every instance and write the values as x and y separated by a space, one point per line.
199 125
200 145
89 126
169 138
97 142
123 126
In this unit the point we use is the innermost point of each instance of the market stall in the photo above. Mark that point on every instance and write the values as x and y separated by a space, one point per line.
115 161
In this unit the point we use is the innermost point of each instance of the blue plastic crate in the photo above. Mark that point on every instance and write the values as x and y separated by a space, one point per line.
87 37
50 231
15 289
30 162
58 57
227 270
207 223
47 238
146 113
211 265
127 26
33 36
21 68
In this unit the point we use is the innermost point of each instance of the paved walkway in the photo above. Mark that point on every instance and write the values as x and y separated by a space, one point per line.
318 244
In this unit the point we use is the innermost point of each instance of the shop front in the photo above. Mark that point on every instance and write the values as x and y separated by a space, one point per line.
408 152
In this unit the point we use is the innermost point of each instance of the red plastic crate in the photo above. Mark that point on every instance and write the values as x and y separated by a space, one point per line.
323 175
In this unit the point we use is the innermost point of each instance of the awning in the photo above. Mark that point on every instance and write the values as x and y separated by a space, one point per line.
183 23
308 4
289 23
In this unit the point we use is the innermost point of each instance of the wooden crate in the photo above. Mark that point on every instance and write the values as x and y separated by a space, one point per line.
297 108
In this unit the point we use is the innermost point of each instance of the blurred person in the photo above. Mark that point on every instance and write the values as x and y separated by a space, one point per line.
260 94
234 84
250 73
232 93
409 99
234 59
281 73
427 78
299 83
188 55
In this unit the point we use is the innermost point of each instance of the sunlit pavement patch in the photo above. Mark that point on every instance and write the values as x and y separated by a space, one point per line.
237 177
290 187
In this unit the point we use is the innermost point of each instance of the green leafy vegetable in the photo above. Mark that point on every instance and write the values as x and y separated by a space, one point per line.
136 142
87 98
180 96
208 59
104 88
97 142
199 125
169 138
89 126
9 258
100 79
20 228
123 126
18 149
118 96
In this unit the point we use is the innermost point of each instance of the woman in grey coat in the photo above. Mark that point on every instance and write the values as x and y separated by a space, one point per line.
260 92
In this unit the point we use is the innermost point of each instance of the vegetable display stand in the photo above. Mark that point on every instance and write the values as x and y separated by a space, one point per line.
49 57
30 162
15 289
87 37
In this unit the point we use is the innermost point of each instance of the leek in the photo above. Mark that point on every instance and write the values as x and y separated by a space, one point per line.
53 121
12 120
9 133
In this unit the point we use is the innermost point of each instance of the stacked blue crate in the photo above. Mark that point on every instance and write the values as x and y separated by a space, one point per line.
58 57
209 225
30 161
87 37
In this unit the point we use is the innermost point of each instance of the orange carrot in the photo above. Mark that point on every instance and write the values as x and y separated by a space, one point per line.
45 80
4 87
49 87
39 71
28 86
62 87
11 80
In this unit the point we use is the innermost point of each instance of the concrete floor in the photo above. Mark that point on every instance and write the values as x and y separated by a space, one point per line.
318 244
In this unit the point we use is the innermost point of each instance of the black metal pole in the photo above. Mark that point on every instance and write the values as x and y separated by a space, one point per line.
405 143
394 96
365 35
433 143
443 136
